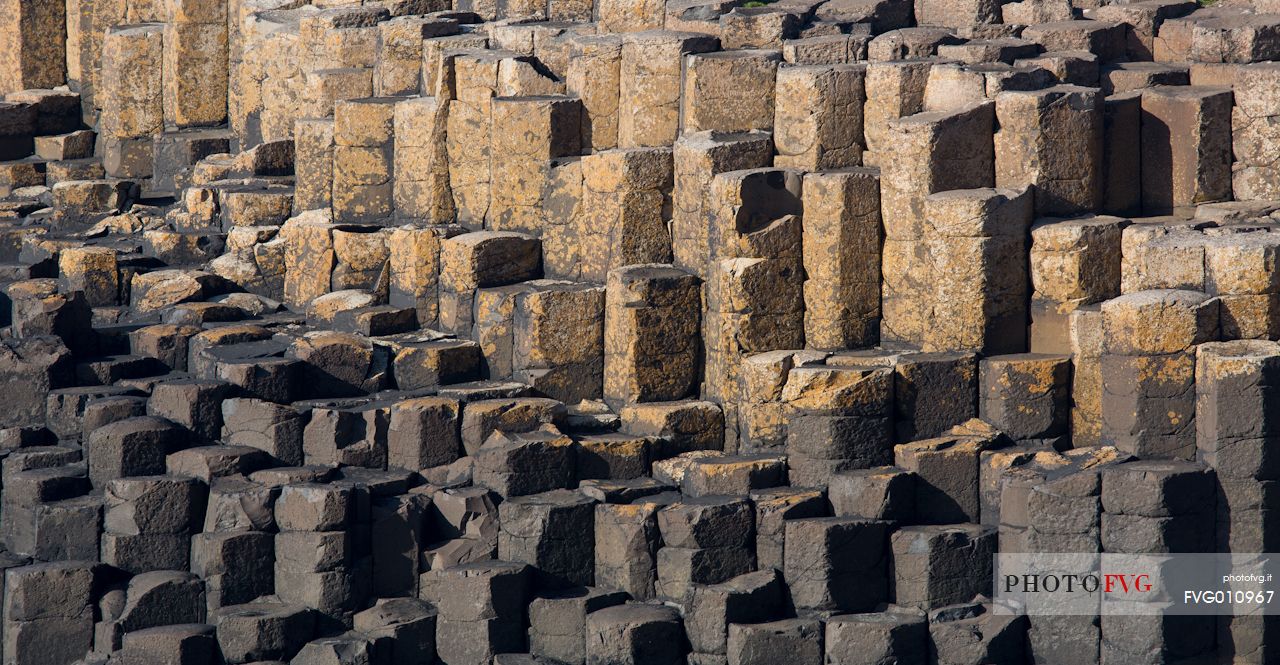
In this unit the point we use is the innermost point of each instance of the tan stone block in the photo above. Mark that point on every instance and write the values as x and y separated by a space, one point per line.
523 10
1076 260
818 116
193 11
365 123
1186 146
1242 264
363 159
906 272
729 91
824 50
625 205
468 129
524 76
487 258
763 416
195 74
909 43
924 153
954 85
893 90
593 75
1158 322
1052 139
309 257
841 246
398 68
755 213
562 208
361 255
758 27
285 95
415 268
1085 331
528 132
79 13
1105 39
679 426
1255 133
651 76
1250 316
361 183
697 158
494 312
630 15
421 160
1232 38
322 88
481 259
96 17
558 344
977 242
468 151
1029 12
346 47
437 69
132 82
753 305
932 152
1162 256
33 54
92 270
956 13
651 332
313 164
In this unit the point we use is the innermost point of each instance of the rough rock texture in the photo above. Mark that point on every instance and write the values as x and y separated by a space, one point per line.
689 332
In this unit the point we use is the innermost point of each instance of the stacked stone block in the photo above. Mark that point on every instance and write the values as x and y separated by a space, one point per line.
48 612
924 153
1157 507
649 309
729 91
977 245
755 292
195 63
137 537
131 98
1051 139
530 132
697 158
1148 370
701 544
35 56
841 243
421 160
320 561
1074 263
625 202
1182 168
651 77
818 119
363 160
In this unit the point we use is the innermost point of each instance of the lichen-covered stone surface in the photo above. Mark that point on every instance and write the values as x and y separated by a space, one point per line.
628 332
